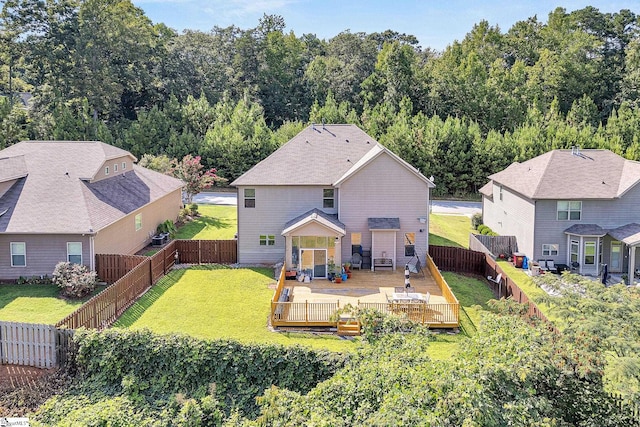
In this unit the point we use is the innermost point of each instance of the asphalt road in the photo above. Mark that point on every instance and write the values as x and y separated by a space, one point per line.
452 207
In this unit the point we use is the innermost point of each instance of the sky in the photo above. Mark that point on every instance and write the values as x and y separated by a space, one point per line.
436 23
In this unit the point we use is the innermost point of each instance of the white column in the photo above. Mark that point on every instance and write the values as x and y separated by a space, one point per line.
395 249
373 249
632 264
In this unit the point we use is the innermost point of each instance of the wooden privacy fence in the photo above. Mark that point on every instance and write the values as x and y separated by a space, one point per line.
493 245
103 309
207 251
461 260
28 344
111 267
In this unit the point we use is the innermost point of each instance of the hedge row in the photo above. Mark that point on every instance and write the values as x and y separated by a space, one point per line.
159 366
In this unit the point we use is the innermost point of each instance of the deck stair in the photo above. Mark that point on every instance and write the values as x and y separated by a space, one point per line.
348 327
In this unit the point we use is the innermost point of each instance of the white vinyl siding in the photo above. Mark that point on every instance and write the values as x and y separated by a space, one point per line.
18 254
74 252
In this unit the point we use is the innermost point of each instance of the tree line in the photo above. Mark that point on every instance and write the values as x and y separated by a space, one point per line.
100 69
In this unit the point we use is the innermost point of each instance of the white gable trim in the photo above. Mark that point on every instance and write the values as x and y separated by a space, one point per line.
314 217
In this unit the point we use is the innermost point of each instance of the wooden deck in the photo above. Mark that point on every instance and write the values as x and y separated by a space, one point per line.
364 287
313 303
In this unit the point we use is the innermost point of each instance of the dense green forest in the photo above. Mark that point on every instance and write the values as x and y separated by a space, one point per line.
100 69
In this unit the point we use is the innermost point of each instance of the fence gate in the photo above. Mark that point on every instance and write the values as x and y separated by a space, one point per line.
28 344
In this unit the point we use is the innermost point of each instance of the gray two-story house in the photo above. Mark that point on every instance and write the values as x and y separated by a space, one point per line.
575 207
329 192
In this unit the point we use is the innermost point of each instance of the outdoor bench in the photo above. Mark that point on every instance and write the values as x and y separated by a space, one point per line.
382 262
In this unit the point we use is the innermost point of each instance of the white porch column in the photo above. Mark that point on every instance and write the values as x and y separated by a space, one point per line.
287 252
373 249
395 250
581 254
632 264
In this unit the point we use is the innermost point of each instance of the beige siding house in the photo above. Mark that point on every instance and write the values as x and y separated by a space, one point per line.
580 208
329 192
67 201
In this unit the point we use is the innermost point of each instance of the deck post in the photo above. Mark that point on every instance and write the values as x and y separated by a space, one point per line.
306 312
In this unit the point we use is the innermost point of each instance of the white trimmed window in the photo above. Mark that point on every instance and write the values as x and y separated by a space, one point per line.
74 252
124 165
249 197
18 254
589 253
550 249
500 192
328 198
267 240
115 167
409 244
106 170
569 211
138 221
575 248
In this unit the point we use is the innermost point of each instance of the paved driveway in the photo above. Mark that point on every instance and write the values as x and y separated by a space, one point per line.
455 207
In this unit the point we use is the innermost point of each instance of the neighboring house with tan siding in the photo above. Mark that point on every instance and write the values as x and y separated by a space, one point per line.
67 201
575 207
331 191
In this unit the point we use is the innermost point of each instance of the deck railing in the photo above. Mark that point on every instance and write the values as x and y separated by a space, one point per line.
304 314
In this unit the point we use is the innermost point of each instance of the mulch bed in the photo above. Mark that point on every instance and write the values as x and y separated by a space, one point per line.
23 388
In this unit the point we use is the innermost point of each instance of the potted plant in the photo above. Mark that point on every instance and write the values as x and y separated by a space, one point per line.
331 269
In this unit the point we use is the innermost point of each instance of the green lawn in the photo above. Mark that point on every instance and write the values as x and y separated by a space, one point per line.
216 222
449 230
35 304
218 302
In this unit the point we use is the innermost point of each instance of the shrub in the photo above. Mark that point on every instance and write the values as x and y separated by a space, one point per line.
75 280
481 228
184 215
476 220
193 208
167 227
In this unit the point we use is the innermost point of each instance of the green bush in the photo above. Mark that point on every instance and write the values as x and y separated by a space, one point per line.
167 227
481 228
193 208
476 220
75 280
147 366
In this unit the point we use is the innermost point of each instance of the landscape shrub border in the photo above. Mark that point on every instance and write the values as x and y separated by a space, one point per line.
157 367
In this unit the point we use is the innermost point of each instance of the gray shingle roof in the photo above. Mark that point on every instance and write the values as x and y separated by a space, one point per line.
629 233
319 155
12 168
384 223
56 196
586 230
329 217
559 174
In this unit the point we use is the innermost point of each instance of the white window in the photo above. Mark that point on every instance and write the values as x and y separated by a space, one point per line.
500 191
328 198
409 244
124 165
106 170
550 249
18 254
138 220
589 253
115 167
249 197
267 239
569 211
74 252
575 247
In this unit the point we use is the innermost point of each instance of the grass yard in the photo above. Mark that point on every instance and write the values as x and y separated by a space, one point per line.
218 302
216 222
35 304
449 230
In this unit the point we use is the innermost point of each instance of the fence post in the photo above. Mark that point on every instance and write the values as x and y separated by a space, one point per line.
306 312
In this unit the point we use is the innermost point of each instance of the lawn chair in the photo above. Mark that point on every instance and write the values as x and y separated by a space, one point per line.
356 261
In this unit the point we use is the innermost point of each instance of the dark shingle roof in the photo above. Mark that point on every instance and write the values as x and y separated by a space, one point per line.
586 230
384 223
560 174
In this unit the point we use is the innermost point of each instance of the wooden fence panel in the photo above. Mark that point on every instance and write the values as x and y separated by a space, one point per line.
188 251
493 245
111 267
28 344
460 260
